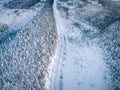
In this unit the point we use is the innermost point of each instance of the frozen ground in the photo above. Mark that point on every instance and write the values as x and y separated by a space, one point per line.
27 42
82 53
17 18
84 57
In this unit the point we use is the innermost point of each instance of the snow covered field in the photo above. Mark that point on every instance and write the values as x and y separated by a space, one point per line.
80 62
59 45
26 44
15 18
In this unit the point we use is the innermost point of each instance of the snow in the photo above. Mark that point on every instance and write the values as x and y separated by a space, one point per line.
25 54
3 2
76 66
17 18
15 21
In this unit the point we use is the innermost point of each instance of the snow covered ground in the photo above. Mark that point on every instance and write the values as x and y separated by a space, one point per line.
27 41
87 54
79 62
15 18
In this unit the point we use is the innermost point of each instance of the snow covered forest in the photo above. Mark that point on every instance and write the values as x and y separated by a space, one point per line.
59 44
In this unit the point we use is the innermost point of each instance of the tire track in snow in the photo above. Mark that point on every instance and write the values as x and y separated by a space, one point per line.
55 81
80 66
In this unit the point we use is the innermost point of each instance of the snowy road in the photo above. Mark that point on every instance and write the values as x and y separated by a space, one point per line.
87 54
78 65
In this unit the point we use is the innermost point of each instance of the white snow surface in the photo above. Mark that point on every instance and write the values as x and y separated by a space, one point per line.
17 18
76 66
